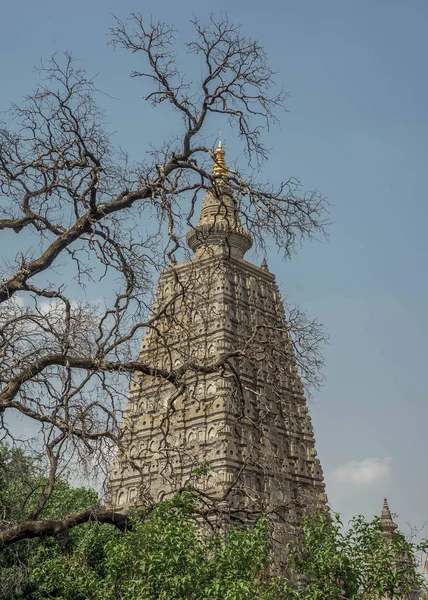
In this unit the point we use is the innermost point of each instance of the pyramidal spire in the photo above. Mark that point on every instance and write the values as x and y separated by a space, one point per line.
219 225
386 523
386 513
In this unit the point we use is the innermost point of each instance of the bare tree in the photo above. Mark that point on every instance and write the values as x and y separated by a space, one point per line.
80 208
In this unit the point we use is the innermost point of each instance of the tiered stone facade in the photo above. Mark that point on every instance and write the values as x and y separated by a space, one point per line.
239 428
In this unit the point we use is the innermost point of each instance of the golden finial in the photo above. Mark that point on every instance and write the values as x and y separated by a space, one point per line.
220 164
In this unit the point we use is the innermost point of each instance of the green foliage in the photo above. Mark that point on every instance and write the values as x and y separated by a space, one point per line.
167 555
20 483
202 469
22 480
356 563
164 556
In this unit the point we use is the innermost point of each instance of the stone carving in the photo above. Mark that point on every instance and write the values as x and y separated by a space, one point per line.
247 419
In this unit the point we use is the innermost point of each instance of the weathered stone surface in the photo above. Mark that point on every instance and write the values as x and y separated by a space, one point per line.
245 419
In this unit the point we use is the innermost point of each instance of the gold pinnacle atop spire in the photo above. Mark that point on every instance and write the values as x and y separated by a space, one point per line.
220 164
219 225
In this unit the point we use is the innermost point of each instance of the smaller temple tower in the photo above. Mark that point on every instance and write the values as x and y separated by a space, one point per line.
388 528
387 524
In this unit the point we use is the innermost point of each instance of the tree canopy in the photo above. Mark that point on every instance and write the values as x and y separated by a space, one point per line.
165 553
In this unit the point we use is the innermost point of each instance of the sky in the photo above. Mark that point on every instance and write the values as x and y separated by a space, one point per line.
356 128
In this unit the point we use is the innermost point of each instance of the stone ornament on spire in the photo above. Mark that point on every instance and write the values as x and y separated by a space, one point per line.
386 523
264 265
219 225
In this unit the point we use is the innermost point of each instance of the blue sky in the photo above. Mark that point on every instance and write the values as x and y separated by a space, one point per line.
356 128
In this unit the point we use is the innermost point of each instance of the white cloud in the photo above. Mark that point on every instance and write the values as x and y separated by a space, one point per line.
364 472
15 301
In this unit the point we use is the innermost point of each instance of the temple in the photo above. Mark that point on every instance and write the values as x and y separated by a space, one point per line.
388 528
233 421
387 524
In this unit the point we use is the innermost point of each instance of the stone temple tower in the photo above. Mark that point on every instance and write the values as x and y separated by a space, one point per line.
387 524
388 528
232 420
